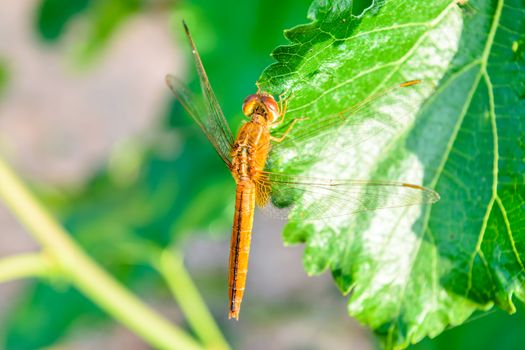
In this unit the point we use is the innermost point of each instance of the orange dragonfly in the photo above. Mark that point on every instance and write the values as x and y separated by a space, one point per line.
246 155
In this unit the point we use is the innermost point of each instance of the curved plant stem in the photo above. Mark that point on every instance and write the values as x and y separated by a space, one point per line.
24 265
84 273
171 267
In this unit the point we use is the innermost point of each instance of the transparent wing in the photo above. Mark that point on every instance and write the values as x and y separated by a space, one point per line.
324 198
195 107
206 112
381 111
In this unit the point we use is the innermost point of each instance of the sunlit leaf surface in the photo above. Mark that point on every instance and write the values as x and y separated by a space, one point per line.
414 271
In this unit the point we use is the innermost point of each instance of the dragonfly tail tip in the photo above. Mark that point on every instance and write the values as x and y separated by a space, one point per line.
233 314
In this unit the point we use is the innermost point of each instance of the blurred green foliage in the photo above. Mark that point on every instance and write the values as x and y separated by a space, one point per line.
34 323
4 76
104 18
101 21
153 190
53 15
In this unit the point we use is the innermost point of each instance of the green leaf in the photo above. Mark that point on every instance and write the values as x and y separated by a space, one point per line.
104 18
494 330
414 271
4 75
53 16
101 20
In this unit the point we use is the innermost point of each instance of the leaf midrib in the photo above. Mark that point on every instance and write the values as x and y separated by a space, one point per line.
483 64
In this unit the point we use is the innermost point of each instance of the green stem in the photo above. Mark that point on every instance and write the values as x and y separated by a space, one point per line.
23 266
84 273
171 267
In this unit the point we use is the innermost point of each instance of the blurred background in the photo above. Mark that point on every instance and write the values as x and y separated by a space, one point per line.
87 120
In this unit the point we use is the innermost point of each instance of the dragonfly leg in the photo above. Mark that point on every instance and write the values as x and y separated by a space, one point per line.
282 109
283 136
284 95
283 103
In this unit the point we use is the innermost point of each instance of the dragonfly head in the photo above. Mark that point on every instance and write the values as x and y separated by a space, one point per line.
263 104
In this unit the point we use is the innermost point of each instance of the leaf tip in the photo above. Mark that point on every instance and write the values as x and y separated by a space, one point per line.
170 79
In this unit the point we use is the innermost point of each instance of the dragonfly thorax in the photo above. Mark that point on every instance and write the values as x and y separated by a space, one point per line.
261 104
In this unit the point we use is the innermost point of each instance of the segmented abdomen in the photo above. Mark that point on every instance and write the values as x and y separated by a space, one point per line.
240 245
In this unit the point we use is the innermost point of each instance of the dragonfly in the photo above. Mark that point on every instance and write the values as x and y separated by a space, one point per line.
246 156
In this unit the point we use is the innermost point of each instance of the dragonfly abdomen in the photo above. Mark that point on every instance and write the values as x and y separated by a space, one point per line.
240 244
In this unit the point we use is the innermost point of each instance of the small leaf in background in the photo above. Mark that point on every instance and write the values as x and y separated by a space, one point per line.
53 16
414 272
4 75
100 21
104 18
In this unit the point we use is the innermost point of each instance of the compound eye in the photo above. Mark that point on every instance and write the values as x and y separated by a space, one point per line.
271 107
249 104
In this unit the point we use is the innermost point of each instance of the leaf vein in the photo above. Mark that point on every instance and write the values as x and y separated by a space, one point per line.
509 232
484 73
397 63
478 244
